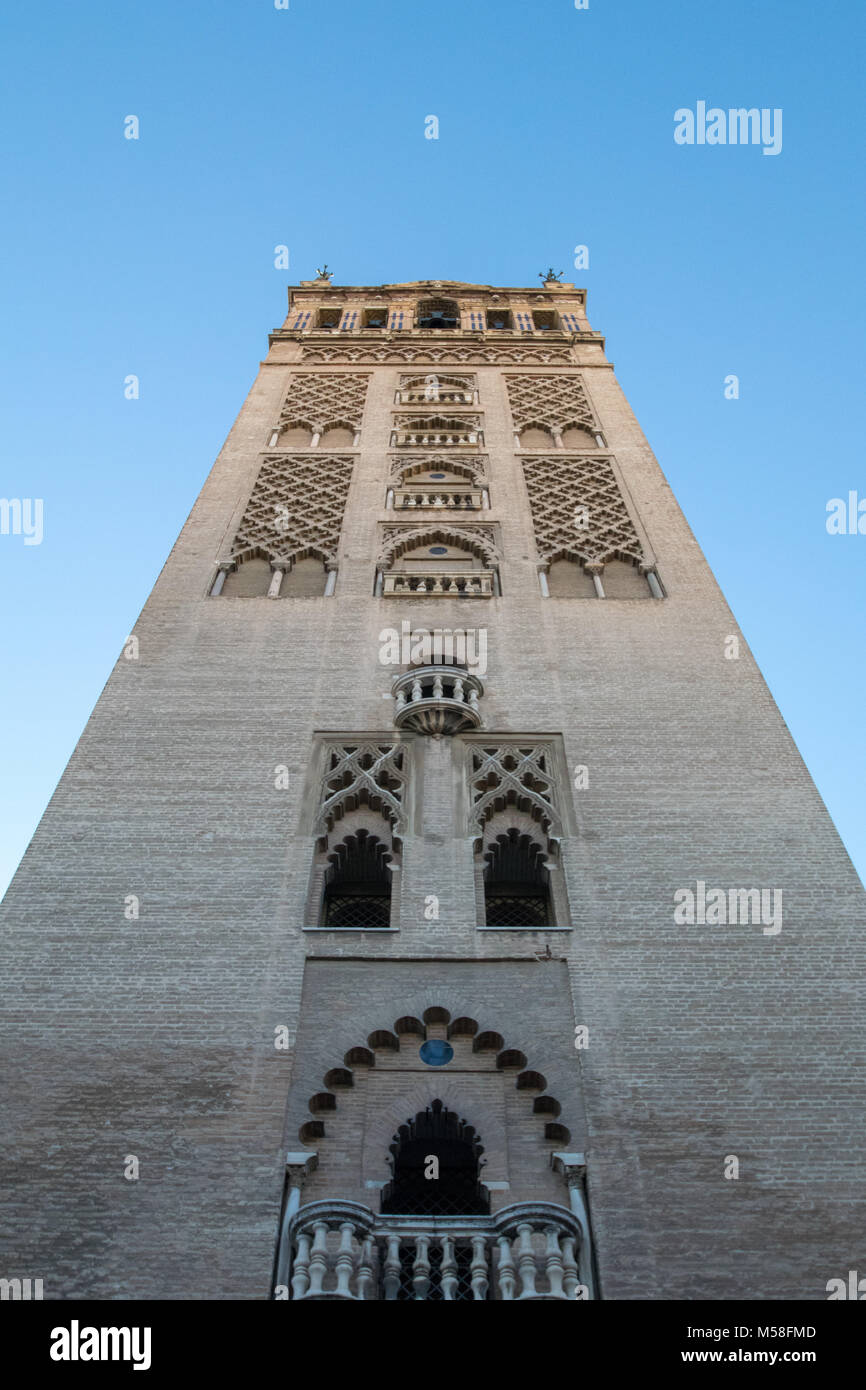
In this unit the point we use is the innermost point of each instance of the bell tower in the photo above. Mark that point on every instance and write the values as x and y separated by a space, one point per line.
435 905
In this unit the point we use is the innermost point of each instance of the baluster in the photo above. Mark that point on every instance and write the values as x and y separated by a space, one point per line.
365 1271
458 689
301 1267
569 1262
400 698
448 1270
478 1268
345 1263
507 1278
473 699
553 1265
417 693
319 1257
526 1261
437 679
391 1279
421 1268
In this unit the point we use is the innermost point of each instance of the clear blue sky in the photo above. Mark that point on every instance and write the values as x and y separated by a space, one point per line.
306 127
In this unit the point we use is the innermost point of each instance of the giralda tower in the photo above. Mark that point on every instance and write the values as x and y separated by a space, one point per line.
435 905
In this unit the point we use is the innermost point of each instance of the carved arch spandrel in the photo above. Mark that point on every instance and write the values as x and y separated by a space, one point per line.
396 540
454 1090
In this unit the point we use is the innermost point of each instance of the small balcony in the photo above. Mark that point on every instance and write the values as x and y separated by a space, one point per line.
454 437
464 499
438 584
343 1251
435 395
437 700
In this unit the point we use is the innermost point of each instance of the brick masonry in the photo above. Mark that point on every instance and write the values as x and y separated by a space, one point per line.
155 1037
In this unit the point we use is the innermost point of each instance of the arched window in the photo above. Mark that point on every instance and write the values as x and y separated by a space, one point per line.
436 1142
250 578
357 884
438 313
516 883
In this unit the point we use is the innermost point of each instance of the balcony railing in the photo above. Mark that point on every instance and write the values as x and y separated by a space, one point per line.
437 439
341 1250
455 498
472 584
435 395
437 700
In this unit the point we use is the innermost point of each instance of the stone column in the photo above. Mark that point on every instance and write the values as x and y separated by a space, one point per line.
653 581
274 439
276 580
595 571
331 581
217 587
542 580
298 1168
572 1167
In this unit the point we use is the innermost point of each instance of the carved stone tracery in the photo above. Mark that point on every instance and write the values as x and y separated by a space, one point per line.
473 468
397 539
369 774
515 776
516 355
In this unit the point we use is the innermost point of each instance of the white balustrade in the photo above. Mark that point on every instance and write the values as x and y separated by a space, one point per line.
341 1250
439 699
437 439
453 499
469 584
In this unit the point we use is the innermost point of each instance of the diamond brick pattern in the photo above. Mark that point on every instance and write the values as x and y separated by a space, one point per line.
553 401
325 400
578 511
296 508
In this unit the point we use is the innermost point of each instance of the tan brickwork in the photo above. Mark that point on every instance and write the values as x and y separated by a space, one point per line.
195 788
